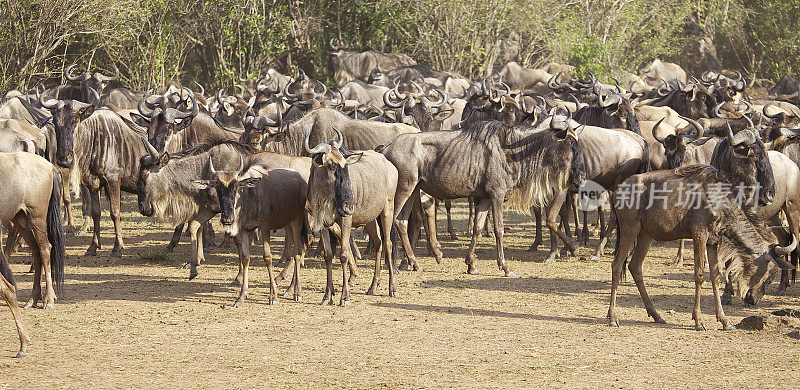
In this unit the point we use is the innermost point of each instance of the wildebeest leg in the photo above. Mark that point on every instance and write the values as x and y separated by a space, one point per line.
626 241
481 211
27 235
448 204
354 249
635 266
386 226
564 215
372 230
295 262
113 192
86 209
9 294
700 239
196 242
94 199
537 213
585 230
337 230
605 234
575 207
430 227
12 242
243 247
471 217
497 210
713 264
209 236
727 293
285 256
40 245
551 212
679 257
793 217
176 237
401 224
345 223
273 293
327 253
66 198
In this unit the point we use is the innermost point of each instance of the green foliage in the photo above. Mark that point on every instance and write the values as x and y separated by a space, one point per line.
217 41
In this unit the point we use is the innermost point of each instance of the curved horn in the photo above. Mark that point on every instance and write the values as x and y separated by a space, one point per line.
241 88
202 90
698 127
730 131
764 111
142 106
151 150
654 130
219 97
442 98
211 169
49 104
323 147
324 90
109 78
749 121
387 99
339 138
68 73
241 166
717 113
785 250
286 93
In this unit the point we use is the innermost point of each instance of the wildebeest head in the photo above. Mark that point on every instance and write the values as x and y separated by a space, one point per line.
232 108
567 145
264 92
149 164
618 106
744 158
162 116
329 192
675 144
725 88
775 122
303 88
692 100
96 81
765 268
423 110
258 128
488 103
67 114
227 185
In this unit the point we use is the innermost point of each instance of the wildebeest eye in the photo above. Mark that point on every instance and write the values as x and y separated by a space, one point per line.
743 150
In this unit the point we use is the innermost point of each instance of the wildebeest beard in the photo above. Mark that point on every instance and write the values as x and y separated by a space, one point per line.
577 172
742 170
675 159
343 192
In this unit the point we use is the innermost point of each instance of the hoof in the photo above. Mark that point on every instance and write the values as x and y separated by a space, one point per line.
473 271
511 274
371 291
116 254
613 324
192 275
48 306
186 266
327 301
235 283
533 248
701 328
344 302
725 301
659 320
594 258
729 328
90 252
21 354
780 293
237 303
271 301
404 267
551 259
28 304
393 294
439 258
297 298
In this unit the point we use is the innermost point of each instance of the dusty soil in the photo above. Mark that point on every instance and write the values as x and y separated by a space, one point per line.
138 321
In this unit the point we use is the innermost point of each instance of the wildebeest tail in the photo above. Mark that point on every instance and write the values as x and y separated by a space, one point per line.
794 256
616 247
645 165
5 270
55 235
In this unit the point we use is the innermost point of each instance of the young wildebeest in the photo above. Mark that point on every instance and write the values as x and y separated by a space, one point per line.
492 162
165 190
748 165
30 195
268 193
353 190
720 230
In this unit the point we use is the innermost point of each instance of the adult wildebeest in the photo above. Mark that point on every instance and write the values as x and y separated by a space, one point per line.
525 165
524 79
348 65
614 111
82 86
30 200
720 230
353 190
67 115
660 71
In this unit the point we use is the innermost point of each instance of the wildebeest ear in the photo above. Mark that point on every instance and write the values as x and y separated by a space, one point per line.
164 159
86 112
140 120
250 182
443 114
201 184
353 158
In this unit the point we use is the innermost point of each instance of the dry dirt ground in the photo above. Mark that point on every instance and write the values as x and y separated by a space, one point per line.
138 321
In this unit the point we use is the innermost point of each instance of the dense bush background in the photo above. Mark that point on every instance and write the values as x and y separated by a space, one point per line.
216 41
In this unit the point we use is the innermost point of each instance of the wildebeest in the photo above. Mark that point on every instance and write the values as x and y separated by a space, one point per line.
263 197
661 71
353 190
524 165
67 115
614 111
348 65
525 79
30 196
82 86
720 230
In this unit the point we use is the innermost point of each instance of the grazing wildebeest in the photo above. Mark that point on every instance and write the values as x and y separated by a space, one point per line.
348 65
267 197
353 190
524 165
721 231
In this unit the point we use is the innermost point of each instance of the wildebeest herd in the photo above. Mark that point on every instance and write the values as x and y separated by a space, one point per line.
682 157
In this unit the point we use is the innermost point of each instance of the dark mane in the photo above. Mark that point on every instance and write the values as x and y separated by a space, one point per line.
206 146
